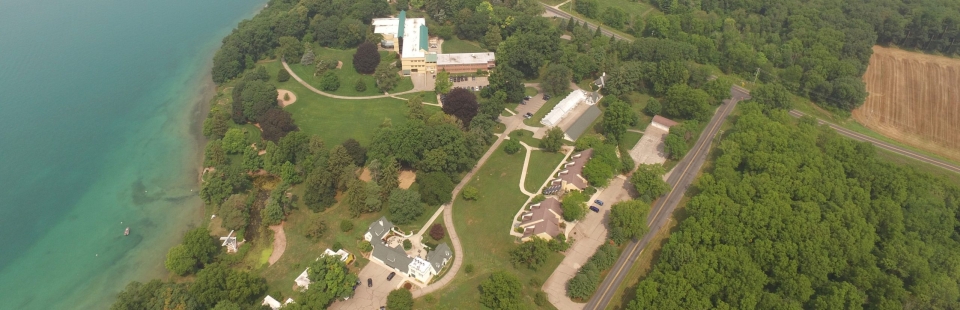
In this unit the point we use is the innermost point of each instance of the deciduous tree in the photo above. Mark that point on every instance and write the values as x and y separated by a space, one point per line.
502 290
275 124
463 104
400 299
556 80
648 180
553 140
405 206
366 59
628 220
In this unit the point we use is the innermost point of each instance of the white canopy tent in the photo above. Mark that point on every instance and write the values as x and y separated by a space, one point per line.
561 109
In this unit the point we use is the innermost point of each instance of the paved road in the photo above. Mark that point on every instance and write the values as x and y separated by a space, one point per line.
681 178
552 11
884 145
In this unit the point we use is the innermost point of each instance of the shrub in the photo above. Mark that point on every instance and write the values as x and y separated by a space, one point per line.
316 228
437 232
337 246
540 299
365 246
407 245
283 75
330 81
400 299
346 225
468 268
653 107
471 193
360 86
512 146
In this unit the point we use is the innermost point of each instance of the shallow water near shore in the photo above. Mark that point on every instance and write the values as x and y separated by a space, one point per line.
100 104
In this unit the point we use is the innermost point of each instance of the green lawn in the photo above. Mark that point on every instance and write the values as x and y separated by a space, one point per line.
630 139
336 120
461 46
428 96
348 74
483 226
530 91
535 120
525 136
540 167
638 102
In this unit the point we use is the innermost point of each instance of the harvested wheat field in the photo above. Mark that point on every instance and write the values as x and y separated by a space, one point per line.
914 98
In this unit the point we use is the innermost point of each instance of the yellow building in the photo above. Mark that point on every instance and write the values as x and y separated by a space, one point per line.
409 38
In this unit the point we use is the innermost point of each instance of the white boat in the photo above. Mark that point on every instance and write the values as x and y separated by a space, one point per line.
126 232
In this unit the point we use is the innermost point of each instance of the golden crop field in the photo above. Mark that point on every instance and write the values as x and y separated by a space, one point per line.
914 98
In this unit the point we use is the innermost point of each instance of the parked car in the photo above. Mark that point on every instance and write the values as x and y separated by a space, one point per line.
527 98
369 282
594 209
598 201
546 97
356 285
528 115
391 275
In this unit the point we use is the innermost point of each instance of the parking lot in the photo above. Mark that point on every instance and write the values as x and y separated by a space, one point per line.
371 297
531 105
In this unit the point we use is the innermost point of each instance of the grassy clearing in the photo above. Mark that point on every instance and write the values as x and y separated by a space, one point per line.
538 116
530 91
455 45
348 74
638 102
336 120
540 168
553 2
483 226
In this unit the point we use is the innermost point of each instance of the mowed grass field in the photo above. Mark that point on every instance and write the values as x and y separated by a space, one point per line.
461 46
484 227
348 74
336 120
540 168
913 99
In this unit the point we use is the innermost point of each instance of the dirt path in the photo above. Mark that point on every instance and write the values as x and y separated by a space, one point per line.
279 243
283 93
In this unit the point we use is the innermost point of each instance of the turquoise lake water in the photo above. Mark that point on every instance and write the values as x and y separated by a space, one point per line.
99 108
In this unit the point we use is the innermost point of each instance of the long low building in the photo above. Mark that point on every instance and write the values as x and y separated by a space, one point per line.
466 62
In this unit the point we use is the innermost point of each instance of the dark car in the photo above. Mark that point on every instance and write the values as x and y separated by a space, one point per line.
594 209
598 202
546 97
527 98
356 285
369 282
391 275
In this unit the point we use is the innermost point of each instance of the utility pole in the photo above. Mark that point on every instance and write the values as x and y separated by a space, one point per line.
755 75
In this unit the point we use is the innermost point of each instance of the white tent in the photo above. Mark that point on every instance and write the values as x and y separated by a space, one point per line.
561 109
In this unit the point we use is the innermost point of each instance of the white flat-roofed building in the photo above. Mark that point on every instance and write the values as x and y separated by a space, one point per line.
466 62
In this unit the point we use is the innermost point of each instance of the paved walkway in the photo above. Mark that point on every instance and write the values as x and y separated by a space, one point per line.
523 173
314 89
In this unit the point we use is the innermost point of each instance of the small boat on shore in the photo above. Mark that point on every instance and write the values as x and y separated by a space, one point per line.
126 232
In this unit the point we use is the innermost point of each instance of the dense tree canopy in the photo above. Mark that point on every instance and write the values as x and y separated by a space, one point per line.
275 124
556 80
218 282
155 295
803 218
330 279
435 188
400 299
197 249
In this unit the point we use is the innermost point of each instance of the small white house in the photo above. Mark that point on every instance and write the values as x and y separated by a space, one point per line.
303 281
270 302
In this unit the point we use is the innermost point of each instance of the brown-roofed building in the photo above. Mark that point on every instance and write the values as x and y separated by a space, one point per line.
570 175
663 122
542 220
